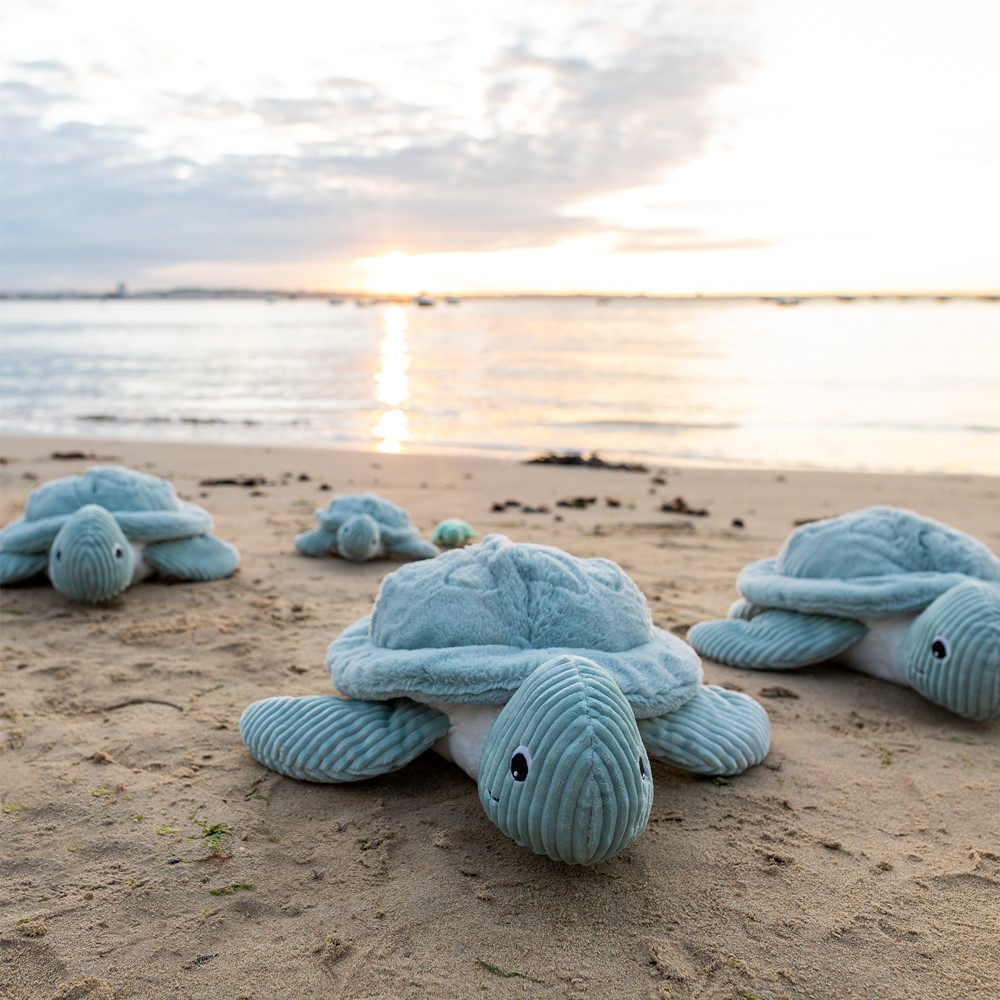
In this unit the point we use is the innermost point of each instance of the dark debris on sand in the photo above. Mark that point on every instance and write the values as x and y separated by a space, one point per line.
680 506
593 461
247 481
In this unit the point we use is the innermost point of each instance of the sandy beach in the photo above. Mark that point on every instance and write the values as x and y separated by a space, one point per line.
146 854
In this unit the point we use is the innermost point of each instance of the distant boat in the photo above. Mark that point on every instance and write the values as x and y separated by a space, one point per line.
603 300
423 299
453 300
335 301
787 300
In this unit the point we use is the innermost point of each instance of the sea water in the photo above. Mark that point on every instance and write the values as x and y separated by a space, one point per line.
895 385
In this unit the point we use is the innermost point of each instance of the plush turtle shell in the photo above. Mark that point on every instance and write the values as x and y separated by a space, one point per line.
396 534
872 563
146 508
470 626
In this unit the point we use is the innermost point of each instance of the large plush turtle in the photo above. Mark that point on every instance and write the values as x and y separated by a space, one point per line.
98 533
883 590
364 526
540 674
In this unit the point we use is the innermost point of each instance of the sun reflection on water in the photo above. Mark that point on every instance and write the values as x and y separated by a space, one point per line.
392 385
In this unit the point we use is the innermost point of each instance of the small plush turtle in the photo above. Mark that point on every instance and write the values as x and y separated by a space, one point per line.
364 526
99 533
453 533
540 674
884 591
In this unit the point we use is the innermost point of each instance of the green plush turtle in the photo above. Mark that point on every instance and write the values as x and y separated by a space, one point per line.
99 533
452 533
540 674
882 590
364 526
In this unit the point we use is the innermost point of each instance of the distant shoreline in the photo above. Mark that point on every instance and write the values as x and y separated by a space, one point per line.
369 298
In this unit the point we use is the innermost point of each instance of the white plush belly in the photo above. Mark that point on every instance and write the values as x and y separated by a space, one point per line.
142 568
463 743
878 652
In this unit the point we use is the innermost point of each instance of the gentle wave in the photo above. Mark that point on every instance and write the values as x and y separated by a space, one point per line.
900 386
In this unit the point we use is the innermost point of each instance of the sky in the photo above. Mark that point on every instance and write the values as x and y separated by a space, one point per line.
681 147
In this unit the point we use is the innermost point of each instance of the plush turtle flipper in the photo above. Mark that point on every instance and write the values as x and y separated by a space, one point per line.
743 609
716 732
414 548
16 566
324 738
320 542
775 640
203 557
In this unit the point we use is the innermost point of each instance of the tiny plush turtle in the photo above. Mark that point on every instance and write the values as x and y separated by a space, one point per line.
540 674
364 526
453 533
883 590
98 533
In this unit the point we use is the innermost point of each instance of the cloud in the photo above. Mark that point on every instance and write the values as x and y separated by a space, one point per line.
352 168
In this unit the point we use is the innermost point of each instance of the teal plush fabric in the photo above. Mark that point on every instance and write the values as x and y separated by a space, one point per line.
561 656
564 771
364 526
952 651
91 558
327 739
774 640
892 593
471 625
872 563
452 533
86 530
716 732
146 508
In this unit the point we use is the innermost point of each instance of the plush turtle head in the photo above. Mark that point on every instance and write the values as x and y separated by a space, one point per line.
90 559
952 651
563 770
359 538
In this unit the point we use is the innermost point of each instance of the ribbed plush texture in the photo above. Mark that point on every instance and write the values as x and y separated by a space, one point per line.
326 739
91 559
774 640
319 542
146 509
863 576
16 566
359 539
203 557
965 624
394 535
716 732
588 791
872 563
471 625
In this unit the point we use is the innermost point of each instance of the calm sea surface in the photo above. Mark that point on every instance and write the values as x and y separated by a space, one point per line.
886 385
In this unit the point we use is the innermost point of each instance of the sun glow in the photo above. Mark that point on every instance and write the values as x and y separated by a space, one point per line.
392 384
394 273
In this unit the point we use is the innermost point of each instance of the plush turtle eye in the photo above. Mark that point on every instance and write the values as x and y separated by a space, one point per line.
58 555
940 647
520 763
119 552
642 768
